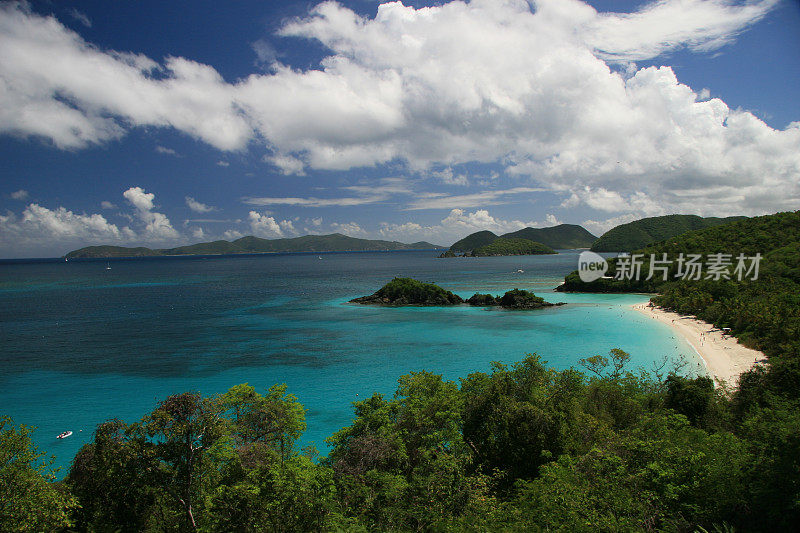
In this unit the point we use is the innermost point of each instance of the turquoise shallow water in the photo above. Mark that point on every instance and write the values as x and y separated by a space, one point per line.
81 344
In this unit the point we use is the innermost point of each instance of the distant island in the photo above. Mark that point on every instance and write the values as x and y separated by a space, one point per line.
505 246
335 242
410 292
623 238
563 236
647 231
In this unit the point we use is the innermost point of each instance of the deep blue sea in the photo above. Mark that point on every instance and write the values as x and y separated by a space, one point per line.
81 343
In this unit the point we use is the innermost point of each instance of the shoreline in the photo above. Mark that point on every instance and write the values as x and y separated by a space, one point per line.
725 359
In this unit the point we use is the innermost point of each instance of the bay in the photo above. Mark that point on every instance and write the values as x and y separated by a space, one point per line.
82 343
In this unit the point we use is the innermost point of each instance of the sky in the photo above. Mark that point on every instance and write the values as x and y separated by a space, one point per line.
169 123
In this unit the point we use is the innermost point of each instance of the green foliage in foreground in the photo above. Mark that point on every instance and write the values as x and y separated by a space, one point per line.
29 499
522 448
503 246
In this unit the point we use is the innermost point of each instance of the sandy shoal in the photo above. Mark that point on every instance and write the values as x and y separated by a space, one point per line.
724 357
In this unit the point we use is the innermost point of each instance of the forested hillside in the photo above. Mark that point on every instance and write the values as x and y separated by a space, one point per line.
761 312
507 246
563 236
641 233
335 242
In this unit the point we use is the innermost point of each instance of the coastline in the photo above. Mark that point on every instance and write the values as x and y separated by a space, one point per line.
725 359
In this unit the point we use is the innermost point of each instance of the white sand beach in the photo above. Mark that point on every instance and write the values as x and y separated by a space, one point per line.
724 357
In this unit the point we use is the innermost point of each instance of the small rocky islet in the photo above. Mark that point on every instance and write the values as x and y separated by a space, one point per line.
410 292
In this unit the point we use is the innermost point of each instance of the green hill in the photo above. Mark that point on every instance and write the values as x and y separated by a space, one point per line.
335 242
641 233
310 243
764 313
563 236
204 248
503 246
474 240
91 252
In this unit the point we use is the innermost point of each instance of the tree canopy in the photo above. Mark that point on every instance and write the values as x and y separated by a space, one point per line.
521 447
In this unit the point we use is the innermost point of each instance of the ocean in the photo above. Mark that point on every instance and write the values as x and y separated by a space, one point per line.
85 341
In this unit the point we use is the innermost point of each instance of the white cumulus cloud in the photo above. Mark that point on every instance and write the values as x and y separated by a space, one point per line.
547 88
40 230
232 234
265 226
598 227
198 207
55 85
351 229
157 226
458 224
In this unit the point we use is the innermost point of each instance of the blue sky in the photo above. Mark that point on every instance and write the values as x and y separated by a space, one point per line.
166 123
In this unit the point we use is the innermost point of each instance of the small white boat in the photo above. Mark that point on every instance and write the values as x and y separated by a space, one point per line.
108 266
64 435
520 271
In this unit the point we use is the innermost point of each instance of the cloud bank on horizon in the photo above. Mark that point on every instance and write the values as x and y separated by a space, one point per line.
549 90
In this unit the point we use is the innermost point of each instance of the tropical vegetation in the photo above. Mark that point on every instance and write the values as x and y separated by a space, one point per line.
410 292
521 448
646 231
562 236
506 246
513 299
407 291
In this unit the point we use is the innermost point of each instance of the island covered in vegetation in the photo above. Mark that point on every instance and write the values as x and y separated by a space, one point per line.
504 246
508 246
410 292
563 236
335 242
513 299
